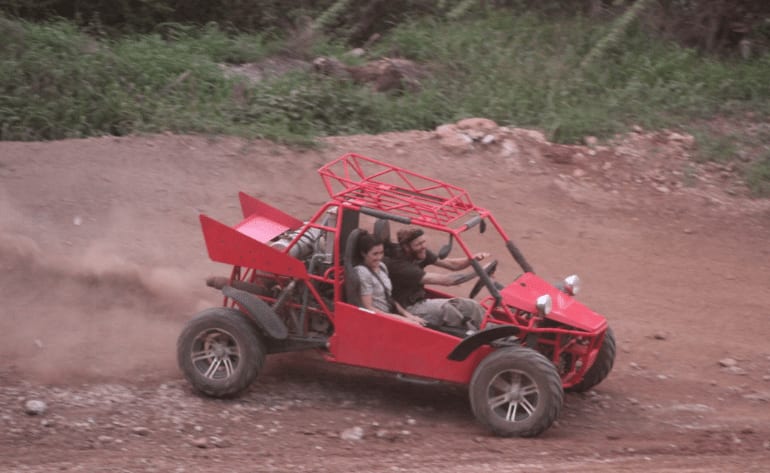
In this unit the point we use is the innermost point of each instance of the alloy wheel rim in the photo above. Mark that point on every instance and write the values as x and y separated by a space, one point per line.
215 354
513 396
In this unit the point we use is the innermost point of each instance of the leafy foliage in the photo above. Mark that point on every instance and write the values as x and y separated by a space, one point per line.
57 80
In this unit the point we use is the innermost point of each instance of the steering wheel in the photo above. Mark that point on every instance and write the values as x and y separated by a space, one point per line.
490 270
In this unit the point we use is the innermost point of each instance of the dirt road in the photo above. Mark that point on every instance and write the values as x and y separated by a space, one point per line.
103 262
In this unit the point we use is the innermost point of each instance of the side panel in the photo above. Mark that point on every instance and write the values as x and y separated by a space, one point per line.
390 343
227 245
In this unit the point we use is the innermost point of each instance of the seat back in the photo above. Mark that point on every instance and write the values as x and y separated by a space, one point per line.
382 232
352 282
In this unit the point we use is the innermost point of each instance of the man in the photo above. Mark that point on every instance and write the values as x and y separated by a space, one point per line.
407 272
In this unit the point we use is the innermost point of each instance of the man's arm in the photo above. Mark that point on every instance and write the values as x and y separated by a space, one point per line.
448 279
456 264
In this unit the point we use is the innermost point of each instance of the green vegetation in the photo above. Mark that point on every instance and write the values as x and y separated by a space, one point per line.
758 176
714 146
57 81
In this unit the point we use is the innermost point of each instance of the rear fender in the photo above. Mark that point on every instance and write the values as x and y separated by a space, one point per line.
259 311
470 344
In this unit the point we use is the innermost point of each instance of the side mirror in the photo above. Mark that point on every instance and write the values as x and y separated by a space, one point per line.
446 249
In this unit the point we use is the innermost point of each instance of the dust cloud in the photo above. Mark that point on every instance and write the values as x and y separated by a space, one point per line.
88 316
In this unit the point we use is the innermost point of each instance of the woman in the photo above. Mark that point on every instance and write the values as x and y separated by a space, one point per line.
375 282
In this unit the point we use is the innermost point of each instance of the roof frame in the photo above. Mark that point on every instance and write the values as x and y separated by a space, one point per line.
367 182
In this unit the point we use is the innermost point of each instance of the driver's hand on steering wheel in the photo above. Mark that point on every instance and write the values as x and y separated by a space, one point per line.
480 256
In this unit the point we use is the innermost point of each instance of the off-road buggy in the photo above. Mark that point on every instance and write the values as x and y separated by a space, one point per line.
292 287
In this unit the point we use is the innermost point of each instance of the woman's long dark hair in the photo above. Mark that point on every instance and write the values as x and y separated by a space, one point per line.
366 241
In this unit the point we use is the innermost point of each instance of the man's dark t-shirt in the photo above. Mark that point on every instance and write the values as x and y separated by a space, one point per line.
406 276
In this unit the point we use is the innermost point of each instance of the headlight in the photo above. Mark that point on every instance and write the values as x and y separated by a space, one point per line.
544 305
572 285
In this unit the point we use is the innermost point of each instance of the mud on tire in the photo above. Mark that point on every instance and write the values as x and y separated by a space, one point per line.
601 367
516 392
219 352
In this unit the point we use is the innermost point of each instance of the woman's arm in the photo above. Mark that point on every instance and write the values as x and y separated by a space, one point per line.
409 316
367 302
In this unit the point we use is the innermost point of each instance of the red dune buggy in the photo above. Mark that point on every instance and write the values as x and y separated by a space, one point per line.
292 287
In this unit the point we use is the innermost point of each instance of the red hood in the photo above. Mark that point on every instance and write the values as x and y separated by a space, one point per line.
524 292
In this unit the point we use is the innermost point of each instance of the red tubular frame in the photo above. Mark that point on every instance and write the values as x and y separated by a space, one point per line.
361 338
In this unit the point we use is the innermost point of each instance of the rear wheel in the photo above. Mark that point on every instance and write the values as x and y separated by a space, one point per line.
516 392
601 367
220 352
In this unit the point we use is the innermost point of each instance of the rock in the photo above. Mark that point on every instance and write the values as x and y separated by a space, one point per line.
35 407
662 189
219 442
353 434
200 442
386 434
459 143
692 408
141 431
356 52
637 129
475 135
659 336
509 148
488 139
685 139
591 141
532 135
105 439
737 370
483 124
764 397
446 131
727 362
578 173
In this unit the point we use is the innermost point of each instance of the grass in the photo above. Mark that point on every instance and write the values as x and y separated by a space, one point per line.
757 176
713 146
520 70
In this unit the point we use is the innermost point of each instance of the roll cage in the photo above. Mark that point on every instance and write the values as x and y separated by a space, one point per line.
300 265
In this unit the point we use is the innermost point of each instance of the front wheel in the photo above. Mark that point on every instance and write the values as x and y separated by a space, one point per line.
219 352
601 367
516 392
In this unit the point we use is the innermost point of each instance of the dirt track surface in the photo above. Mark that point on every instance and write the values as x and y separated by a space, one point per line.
103 262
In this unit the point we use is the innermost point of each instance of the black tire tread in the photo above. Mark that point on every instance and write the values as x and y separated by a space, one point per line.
251 344
601 367
540 367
